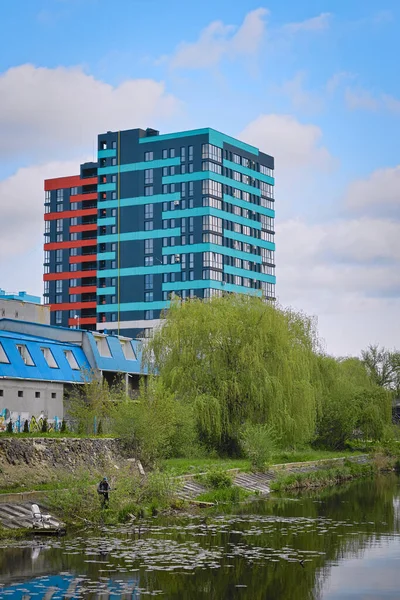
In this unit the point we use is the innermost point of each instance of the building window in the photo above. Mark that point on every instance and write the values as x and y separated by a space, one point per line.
59 286
213 260
20 394
73 221
190 152
25 354
172 152
73 283
148 156
165 153
148 225
47 196
53 395
148 211
191 275
212 188
74 206
148 282
148 176
212 152
74 191
149 190
60 207
37 394
73 237
148 296
148 246
60 195
212 224
148 315
58 317
148 261
49 358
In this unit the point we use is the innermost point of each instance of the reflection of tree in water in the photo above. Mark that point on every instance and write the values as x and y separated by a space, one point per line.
318 527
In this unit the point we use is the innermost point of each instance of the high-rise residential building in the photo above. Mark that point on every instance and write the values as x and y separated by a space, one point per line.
188 213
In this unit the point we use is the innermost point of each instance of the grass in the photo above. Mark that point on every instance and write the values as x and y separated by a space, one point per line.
224 495
323 477
42 487
193 466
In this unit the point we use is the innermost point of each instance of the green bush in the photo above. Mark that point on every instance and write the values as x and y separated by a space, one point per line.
45 426
217 480
63 426
26 426
259 444
9 427
100 428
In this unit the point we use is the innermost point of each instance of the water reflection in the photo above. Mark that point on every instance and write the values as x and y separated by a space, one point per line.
341 543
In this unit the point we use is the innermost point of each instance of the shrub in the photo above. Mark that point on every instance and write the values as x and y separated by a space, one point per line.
10 426
45 426
26 426
100 428
258 443
63 426
217 480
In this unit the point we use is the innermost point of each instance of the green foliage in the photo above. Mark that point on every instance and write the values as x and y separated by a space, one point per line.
224 495
350 402
63 426
236 359
26 426
100 428
258 442
45 426
323 477
151 425
94 400
217 479
9 426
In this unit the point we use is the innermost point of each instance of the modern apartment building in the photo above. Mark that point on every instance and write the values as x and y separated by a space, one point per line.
188 214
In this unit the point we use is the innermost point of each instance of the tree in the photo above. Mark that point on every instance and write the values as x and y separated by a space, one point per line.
26 426
350 401
237 359
383 367
94 399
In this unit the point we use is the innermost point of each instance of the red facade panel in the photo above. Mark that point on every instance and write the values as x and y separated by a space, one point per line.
68 182
69 275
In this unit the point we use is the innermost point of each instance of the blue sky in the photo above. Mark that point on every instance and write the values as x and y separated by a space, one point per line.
314 83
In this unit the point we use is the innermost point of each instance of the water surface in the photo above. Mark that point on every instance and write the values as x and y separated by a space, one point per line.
341 543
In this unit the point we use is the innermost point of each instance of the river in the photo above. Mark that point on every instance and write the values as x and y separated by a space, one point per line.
330 545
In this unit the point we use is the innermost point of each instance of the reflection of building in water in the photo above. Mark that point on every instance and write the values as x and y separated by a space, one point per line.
70 586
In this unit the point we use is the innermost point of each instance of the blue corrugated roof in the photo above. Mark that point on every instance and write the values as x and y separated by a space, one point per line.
40 370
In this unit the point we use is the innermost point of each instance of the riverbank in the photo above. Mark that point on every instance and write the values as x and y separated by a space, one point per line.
135 496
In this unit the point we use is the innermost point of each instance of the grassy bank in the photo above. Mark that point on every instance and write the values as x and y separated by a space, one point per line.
193 466
324 477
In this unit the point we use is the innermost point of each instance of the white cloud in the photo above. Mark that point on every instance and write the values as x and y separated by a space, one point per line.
21 239
219 40
315 24
362 99
348 273
300 98
55 111
293 144
379 193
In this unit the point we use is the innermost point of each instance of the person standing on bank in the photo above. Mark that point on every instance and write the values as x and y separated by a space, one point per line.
103 489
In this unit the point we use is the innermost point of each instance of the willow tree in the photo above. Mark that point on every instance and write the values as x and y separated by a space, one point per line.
236 359
350 402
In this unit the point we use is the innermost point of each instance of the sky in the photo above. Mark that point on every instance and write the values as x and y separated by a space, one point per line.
313 83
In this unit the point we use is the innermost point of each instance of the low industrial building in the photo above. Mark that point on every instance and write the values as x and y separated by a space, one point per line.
23 307
39 363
